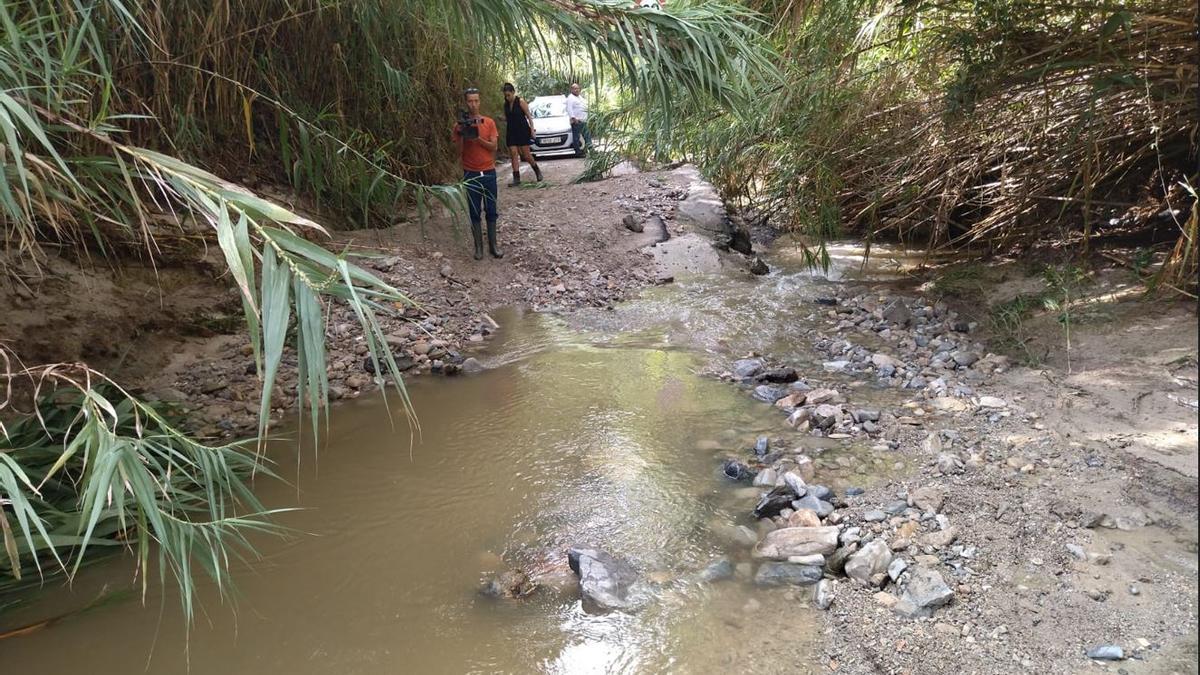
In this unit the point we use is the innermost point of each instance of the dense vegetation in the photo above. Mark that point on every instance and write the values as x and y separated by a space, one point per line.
964 123
128 126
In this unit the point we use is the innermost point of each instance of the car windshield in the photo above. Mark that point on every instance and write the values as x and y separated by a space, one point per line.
548 109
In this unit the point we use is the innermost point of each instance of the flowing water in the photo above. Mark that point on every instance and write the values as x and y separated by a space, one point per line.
597 429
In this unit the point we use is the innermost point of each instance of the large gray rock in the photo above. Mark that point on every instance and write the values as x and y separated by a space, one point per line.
701 208
923 591
873 558
796 482
768 393
810 501
604 581
717 570
747 367
786 542
738 536
787 574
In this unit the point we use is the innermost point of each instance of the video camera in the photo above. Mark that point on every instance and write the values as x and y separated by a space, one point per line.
466 126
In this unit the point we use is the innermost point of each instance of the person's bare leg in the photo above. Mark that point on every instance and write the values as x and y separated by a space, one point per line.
515 154
528 156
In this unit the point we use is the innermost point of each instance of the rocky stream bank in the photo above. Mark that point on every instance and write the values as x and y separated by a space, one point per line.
942 516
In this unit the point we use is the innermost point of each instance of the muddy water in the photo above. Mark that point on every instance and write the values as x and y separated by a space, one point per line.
601 432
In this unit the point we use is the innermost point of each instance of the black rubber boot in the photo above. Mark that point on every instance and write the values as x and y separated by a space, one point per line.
516 181
477 232
537 171
492 248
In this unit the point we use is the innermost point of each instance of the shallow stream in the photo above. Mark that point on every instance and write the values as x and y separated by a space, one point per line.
598 429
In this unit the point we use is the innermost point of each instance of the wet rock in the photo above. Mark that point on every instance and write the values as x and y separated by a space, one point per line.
761 445
773 502
768 393
791 401
471 365
508 584
717 570
824 595
796 541
828 302
779 376
735 470
1106 653
744 368
787 574
733 535
823 395
759 267
766 478
604 581
873 558
835 366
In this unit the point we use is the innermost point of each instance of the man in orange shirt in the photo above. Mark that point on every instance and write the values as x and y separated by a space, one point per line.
476 136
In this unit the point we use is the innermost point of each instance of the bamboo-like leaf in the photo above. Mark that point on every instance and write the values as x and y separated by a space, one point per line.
276 311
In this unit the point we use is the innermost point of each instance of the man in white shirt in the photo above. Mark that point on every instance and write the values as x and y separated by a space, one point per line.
578 112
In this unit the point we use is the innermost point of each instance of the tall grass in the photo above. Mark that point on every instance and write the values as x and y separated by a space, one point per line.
120 122
985 124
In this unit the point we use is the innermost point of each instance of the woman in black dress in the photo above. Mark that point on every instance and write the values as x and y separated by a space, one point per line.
518 133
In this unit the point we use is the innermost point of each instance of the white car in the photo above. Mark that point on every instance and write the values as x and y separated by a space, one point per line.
554 135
